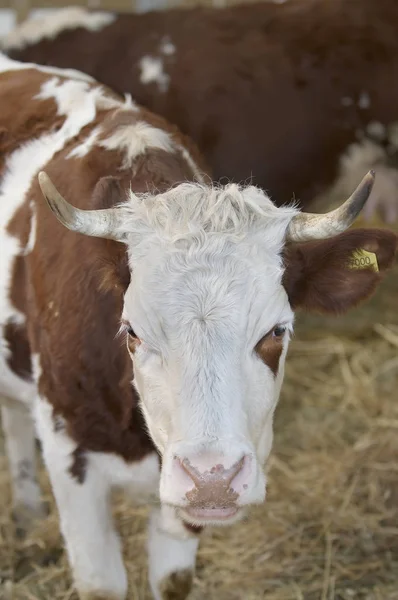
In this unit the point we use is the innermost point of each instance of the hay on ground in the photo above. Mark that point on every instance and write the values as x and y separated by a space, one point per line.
329 528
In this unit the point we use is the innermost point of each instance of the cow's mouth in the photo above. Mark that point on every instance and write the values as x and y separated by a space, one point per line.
210 514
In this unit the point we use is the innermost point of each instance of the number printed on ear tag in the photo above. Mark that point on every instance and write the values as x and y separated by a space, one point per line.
362 259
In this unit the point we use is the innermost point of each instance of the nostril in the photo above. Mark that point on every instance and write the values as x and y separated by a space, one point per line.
239 483
184 476
193 473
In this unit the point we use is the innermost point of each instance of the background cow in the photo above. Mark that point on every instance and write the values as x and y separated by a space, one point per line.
273 93
199 281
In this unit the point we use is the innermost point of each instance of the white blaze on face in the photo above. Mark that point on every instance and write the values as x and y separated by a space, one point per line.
152 71
200 304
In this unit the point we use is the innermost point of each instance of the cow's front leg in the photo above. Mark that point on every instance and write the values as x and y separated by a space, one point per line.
19 437
82 495
172 555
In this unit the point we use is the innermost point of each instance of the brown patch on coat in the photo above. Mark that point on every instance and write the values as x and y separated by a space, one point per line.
113 268
177 585
318 276
269 349
23 117
18 360
272 91
79 465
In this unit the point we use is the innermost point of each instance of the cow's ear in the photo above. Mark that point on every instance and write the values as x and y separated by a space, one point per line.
108 193
332 276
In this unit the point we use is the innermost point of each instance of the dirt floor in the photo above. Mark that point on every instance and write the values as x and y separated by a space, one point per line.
329 528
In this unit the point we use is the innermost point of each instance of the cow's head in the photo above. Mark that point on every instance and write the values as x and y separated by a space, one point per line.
216 274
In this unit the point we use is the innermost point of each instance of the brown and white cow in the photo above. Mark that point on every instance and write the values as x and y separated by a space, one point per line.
273 93
148 332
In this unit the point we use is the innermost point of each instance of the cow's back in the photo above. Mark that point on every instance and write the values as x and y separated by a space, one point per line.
273 92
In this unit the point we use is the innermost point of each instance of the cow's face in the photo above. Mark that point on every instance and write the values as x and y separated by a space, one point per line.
208 316
208 323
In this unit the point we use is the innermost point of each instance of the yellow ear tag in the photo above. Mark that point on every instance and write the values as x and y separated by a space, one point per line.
362 259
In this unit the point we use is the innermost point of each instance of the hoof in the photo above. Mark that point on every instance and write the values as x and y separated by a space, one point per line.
177 585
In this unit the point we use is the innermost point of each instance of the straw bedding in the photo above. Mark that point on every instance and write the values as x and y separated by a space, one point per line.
329 527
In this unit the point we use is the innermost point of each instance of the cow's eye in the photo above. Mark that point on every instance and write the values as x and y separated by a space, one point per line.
132 333
133 341
278 331
129 330
275 334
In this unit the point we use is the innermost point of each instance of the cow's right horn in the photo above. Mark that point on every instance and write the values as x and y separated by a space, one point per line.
306 226
98 223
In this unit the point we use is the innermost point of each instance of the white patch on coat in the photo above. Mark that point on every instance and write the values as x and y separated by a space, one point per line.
85 514
168 552
198 174
33 30
140 479
86 146
136 139
74 98
84 508
129 103
8 64
167 47
36 367
106 102
152 72
33 230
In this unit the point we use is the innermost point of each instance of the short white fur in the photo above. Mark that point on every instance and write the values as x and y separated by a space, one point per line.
49 27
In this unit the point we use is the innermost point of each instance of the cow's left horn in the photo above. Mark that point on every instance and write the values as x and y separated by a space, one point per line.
306 226
98 223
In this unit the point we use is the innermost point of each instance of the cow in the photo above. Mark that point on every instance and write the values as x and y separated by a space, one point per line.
272 93
145 316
